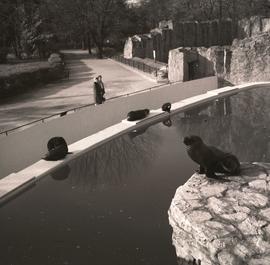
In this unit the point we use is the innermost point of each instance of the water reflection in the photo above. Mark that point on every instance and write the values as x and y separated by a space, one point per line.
112 163
61 173
137 132
167 122
238 124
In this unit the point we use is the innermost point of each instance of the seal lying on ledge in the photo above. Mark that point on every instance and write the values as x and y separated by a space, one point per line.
210 159
57 149
137 114
166 107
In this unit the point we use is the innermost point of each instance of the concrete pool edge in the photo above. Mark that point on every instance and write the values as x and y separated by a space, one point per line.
14 182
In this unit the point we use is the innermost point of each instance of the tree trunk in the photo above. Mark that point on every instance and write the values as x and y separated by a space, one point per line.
235 19
89 43
100 51
220 20
83 44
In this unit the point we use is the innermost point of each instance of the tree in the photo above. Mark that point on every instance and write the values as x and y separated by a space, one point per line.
24 28
103 18
5 29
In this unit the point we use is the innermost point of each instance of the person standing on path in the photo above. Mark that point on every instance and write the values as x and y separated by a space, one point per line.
98 92
102 87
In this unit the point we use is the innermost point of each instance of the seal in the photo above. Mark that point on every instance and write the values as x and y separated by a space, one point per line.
57 149
166 107
137 114
211 159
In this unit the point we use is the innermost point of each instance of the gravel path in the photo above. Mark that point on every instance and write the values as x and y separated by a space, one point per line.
77 91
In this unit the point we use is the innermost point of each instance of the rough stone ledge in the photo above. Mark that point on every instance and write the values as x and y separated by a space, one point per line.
225 221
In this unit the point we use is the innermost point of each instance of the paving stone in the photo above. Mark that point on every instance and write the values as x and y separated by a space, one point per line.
251 226
260 261
226 258
259 184
219 206
265 213
213 190
248 197
199 216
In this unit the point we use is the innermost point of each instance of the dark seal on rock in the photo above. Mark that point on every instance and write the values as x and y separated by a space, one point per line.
210 159
166 107
57 149
137 114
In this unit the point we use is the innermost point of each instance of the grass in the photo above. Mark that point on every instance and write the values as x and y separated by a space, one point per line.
14 69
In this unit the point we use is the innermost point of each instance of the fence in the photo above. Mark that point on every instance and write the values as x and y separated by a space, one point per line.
69 111
137 64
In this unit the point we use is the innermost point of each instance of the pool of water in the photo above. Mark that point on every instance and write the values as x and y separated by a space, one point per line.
109 206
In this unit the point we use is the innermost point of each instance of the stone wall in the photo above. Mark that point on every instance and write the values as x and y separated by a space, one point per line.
223 223
192 34
128 49
176 65
203 34
158 41
247 60
192 63
250 60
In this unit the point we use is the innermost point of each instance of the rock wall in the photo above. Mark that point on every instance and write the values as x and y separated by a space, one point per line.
250 60
197 63
128 49
192 34
223 223
158 42
247 60
176 65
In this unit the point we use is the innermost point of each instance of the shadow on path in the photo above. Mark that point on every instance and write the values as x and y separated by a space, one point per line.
74 92
79 72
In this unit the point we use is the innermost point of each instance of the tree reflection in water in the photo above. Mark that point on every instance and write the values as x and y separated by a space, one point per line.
239 124
113 162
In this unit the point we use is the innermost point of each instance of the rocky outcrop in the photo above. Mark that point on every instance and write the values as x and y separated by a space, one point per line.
192 63
176 65
170 35
250 60
224 222
247 60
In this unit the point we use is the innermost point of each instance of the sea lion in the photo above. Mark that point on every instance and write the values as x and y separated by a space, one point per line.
166 107
210 159
137 114
57 149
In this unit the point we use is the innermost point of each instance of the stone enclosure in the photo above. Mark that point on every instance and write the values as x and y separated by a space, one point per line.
236 54
170 35
246 60
224 222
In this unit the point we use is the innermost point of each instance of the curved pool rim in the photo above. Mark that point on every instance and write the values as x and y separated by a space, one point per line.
16 183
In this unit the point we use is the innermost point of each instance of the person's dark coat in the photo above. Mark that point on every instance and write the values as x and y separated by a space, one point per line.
101 84
98 93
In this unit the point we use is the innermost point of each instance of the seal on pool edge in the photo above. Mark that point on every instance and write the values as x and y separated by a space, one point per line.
166 107
210 159
57 149
135 115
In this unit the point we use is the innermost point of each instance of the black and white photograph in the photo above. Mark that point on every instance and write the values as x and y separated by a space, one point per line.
135 132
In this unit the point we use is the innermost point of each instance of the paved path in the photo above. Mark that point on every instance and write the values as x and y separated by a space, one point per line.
76 91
